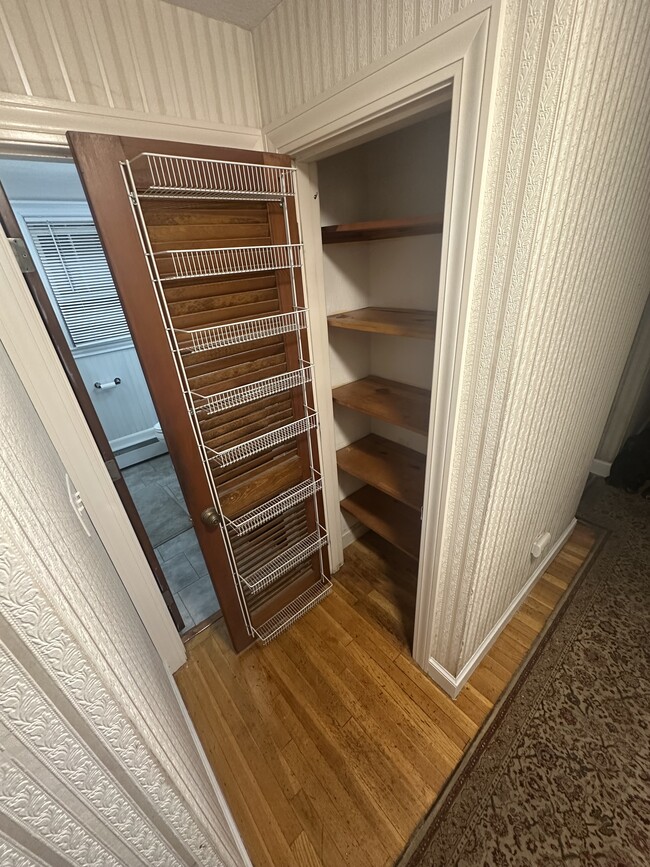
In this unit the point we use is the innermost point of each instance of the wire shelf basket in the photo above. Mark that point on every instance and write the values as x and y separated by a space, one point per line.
266 441
217 336
284 562
251 391
162 176
274 507
217 261
293 611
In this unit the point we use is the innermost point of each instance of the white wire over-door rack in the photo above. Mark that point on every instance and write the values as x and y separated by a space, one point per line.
163 176
242 394
232 333
224 261
153 175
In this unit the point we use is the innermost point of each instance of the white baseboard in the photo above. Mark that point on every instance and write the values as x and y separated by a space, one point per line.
600 468
137 447
452 684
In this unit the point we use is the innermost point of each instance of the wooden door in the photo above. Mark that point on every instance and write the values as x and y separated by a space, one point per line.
11 228
204 249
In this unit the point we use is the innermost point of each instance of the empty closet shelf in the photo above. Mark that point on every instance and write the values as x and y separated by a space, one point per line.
394 402
261 443
231 333
276 506
284 562
376 230
394 522
387 320
162 176
251 391
292 612
216 261
388 466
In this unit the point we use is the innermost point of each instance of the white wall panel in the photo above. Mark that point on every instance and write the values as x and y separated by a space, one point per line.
561 271
126 409
129 55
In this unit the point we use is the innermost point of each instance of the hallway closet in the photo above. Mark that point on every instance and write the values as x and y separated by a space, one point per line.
382 209
206 252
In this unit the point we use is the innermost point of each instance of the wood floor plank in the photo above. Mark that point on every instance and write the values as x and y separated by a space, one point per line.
331 768
323 811
384 724
330 743
242 745
256 820
304 853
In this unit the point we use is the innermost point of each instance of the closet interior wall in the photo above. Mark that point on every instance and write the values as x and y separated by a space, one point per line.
394 178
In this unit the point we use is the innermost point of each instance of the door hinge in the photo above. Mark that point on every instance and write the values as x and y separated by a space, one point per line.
113 470
22 254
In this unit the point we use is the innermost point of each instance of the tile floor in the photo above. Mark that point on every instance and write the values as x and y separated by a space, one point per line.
159 501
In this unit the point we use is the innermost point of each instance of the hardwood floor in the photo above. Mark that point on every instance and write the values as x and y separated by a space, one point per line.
330 744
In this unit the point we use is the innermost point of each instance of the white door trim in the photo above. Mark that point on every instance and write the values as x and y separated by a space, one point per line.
460 53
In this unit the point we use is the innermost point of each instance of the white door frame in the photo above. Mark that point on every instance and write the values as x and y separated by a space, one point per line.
460 53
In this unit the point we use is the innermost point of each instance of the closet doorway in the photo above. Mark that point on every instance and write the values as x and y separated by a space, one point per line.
45 205
382 214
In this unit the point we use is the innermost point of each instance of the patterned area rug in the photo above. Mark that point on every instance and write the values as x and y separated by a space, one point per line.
560 774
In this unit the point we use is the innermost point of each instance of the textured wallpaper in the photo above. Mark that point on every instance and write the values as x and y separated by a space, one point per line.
135 55
562 266
97 765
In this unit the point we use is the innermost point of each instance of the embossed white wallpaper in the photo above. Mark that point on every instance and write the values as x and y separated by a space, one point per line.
562 268
97 765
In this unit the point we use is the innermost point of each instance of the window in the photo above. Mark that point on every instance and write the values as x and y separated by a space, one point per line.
75 266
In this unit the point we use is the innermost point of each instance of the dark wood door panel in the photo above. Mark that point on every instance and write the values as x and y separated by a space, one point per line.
191 376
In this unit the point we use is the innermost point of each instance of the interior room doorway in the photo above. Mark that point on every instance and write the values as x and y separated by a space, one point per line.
44 205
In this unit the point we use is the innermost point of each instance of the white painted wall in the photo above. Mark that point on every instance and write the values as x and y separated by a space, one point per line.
561 269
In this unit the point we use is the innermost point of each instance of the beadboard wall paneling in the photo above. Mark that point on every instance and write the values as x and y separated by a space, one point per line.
97 764
141 56
561 270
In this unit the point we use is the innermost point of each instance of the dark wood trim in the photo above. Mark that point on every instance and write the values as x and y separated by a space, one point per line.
41 299
377 230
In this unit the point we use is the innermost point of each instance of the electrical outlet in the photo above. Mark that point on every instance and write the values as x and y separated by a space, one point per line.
77 504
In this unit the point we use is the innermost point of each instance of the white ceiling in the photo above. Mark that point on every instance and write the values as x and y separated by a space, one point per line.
245 13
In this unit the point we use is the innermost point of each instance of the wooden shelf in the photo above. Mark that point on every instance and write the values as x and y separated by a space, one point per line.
387 320
387 466
394 522
393 402
376 230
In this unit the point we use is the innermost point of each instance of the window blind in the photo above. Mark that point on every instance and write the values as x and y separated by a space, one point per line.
75 265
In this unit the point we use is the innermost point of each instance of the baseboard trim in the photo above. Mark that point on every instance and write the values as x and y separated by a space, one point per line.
452 684
600 468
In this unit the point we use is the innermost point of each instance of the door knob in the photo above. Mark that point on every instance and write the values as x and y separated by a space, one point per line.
210 517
